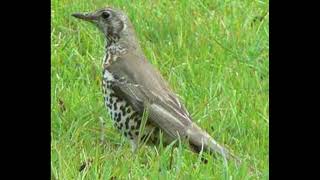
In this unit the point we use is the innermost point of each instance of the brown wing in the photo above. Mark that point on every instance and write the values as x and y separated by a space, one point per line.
143 87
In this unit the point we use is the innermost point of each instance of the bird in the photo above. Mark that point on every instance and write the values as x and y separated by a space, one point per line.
133 87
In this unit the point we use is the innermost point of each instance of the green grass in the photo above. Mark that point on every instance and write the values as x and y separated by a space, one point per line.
213 55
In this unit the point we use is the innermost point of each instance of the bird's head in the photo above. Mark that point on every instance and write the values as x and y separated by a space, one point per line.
110 21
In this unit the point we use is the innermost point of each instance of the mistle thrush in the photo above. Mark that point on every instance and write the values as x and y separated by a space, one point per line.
132 85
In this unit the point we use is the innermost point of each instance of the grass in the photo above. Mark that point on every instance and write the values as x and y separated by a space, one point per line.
214 55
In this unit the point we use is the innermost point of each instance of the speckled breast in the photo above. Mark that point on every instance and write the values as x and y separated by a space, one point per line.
124 117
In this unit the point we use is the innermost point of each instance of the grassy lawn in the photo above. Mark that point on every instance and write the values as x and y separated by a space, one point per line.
214 55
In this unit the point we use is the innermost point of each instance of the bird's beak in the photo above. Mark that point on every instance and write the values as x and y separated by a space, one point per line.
85 16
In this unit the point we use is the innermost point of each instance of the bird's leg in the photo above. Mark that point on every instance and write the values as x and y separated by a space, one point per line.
102 131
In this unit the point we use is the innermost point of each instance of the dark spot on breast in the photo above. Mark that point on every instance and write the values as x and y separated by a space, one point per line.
127 123
128 110
137 133
122 108
118 117
138 118
115 105
132 127
138 124
116 76
109 105
130 135
111 101
125 134
121 125
133 115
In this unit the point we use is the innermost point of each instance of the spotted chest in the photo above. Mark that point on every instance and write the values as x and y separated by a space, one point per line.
125 118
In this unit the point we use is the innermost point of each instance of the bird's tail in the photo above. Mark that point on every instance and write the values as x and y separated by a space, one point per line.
201 140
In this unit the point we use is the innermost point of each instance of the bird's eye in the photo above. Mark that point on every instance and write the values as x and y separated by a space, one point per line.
105 14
